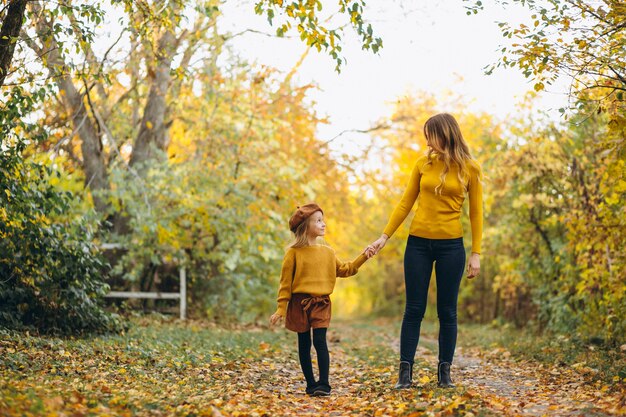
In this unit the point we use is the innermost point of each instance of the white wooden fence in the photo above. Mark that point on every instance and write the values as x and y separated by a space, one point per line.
181 295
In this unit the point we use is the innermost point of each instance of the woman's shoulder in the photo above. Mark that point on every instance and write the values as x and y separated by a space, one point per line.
421 161
474 166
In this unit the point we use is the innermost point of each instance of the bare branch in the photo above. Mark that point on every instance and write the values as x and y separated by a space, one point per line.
380 126
257 32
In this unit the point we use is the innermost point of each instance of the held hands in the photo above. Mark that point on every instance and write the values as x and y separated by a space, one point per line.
376 246
473 265
275 318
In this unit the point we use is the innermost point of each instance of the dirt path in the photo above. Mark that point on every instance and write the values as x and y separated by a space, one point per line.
523 388
363 371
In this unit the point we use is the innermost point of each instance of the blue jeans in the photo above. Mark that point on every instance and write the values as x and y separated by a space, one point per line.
448 255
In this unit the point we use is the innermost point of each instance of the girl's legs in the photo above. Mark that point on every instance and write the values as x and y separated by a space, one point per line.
449 266
323 358
304 352
418 266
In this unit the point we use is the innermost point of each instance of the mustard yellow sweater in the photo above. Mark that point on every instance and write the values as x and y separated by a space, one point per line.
312 270
438 216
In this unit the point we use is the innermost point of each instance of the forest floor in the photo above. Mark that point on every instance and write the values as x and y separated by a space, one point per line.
163 367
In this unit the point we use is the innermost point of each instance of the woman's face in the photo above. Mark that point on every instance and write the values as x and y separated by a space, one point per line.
432 144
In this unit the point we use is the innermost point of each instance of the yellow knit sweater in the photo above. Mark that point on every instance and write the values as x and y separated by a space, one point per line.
438 216
312 270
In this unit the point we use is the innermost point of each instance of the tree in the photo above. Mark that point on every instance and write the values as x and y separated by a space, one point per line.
11 25
305 15
584 42
578 39
50 270
158 35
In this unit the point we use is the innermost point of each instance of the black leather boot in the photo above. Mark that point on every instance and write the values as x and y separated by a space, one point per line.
310 388
405 376
321 389
443 375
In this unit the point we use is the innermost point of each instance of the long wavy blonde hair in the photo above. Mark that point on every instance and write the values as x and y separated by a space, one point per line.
445 139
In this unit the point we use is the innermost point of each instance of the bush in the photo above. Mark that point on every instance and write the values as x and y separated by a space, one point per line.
51 276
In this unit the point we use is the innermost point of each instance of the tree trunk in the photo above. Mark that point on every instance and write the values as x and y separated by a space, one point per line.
11 27
96 178
153 132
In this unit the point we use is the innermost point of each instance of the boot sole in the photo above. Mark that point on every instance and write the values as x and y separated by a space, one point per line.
320 394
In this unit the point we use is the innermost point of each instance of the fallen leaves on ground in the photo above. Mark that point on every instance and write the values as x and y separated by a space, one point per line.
161 369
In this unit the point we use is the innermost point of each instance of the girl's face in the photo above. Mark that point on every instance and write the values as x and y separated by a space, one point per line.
317 227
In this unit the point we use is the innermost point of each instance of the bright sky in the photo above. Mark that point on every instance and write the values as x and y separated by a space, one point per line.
428 46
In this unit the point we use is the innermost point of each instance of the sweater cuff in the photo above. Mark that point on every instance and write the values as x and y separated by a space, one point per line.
388 232
282 308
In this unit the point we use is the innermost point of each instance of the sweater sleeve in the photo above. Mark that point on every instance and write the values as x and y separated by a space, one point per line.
286 278
475 191
347 269
406 203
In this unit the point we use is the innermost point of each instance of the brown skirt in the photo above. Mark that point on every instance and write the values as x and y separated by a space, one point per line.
306 312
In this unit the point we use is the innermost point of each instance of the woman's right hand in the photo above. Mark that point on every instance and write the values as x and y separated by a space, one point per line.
275 318
377 245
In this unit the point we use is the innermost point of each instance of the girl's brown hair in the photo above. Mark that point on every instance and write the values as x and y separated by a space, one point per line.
444 136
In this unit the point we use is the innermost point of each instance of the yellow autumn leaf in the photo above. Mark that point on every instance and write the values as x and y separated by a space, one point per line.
424 379
613 199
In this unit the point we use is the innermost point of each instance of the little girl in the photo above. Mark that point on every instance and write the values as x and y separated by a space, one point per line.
307 279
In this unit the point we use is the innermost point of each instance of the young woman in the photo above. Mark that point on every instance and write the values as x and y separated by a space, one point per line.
439 183
307 279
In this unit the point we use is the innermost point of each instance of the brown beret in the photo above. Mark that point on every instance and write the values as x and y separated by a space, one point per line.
301 214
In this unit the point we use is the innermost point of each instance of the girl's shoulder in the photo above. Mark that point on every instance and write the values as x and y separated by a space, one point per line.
327 248
319 247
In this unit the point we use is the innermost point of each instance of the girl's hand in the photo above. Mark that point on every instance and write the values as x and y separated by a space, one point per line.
377 245
275 318
473 265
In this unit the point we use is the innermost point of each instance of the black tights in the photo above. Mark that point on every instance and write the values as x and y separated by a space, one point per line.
323 359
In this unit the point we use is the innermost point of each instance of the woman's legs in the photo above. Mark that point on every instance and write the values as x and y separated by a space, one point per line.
449 267
323 358
304 353
418 266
